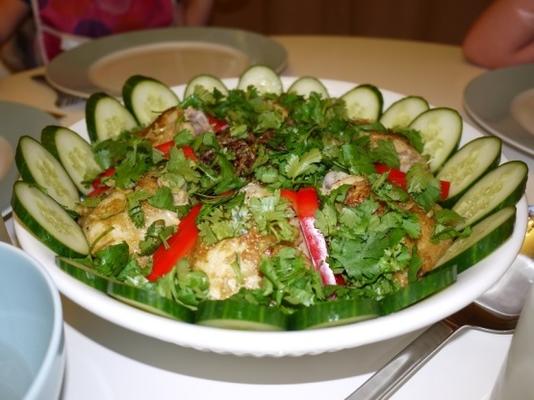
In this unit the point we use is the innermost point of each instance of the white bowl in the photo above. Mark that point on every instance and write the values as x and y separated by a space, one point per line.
32 343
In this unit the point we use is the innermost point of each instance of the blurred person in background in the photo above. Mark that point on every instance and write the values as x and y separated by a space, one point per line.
503 35
58 25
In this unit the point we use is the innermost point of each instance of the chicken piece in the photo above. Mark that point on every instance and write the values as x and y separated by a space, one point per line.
429 251
408 156
232 263
336 179
109 223
164 127
358 193
252 190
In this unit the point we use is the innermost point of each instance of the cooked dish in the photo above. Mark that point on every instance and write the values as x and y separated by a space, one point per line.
255 208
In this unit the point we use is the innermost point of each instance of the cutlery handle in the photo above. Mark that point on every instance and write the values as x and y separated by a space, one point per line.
389 378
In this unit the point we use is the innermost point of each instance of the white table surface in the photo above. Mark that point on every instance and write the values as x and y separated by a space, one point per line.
106 362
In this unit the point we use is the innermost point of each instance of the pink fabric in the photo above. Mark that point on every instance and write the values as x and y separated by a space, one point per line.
96 18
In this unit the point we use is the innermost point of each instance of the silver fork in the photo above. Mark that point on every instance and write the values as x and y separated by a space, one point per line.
62 99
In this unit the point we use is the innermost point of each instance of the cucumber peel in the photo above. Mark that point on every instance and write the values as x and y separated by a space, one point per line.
233 314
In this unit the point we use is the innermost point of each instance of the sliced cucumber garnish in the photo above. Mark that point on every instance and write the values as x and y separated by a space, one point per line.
263 78
499 188
149 300
485 237
469 164
106 117
208 82
333 313
401 113
48 221
147 98
306 85
74 153
233 314
364 102
416 291
83 273
441 130
37 165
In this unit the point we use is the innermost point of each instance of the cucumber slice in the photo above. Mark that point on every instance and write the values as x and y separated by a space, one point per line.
306 85
83 273
364 102
485 237
147 98
37 165
499 188
334 313
74 153
441 130
149 300
416 291
233 314
48 221
468 165
106 117
401 113
208 82
263 78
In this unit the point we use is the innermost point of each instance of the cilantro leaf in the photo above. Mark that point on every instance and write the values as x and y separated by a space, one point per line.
162 199
298 165
413 136
423 186
180 165
111 260
384 152
294 283
135 210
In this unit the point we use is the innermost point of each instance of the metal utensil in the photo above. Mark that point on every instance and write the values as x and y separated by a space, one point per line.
62 99
495 310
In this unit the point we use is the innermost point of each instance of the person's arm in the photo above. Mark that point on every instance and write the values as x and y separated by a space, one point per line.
194 12
12 13
503 35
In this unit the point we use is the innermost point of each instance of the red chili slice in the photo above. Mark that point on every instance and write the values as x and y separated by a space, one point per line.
218 125
98 186
179 245
445 187
165 149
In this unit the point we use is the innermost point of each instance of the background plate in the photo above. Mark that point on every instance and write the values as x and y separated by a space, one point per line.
179 54
471 284
16 120
502 102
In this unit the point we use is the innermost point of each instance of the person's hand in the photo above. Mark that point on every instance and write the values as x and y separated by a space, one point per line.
12 13
503 35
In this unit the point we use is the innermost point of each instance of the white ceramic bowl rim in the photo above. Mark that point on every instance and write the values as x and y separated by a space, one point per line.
54 344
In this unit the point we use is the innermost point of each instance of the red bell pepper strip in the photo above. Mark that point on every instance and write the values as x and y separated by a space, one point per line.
166 147
340 280
395 176
179 245
291 196
445 187
398 178
97 185
308 202
218 125
305 203
189 153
